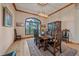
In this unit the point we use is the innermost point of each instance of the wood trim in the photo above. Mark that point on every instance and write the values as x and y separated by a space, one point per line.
14 6
60 9
39 15
25 11
73 43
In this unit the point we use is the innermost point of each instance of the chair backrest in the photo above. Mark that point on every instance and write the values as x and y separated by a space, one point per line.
65 33
58 38
36 34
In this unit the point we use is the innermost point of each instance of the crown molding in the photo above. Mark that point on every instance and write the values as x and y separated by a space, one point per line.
25 11
61 9
39 15
14 6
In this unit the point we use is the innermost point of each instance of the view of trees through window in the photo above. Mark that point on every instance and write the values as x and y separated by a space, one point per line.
31 24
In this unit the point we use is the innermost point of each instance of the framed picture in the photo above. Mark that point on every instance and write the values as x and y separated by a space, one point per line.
7 17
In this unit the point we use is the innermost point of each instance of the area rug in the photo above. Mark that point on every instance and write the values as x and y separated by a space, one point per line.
34 51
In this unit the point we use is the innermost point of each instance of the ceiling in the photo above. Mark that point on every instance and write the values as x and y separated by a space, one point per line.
37 8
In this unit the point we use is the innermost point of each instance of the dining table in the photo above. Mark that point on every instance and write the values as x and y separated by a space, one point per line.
45 39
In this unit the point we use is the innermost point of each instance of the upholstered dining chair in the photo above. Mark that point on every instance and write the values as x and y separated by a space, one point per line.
38 41
65 35
36 36
56 43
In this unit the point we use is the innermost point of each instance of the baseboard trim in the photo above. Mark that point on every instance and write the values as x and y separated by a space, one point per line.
74 42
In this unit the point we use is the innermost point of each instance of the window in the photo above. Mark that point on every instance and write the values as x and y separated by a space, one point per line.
31 24
51 26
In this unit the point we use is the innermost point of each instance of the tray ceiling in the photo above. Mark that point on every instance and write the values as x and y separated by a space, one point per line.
40 8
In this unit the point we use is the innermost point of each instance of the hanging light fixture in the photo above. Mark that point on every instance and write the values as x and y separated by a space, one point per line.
42 4
42 13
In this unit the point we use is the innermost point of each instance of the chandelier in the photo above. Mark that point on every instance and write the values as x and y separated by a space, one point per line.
42 13
42 4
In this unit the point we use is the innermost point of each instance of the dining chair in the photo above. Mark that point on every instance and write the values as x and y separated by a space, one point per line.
36 36
56 43
65 35
37 40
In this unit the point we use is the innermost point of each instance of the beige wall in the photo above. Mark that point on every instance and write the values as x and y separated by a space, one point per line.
77 21
6 33
20 18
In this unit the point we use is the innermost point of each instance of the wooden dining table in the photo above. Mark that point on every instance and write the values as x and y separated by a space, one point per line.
45 39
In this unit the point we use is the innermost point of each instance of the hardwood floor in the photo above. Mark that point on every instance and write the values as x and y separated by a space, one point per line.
22 49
